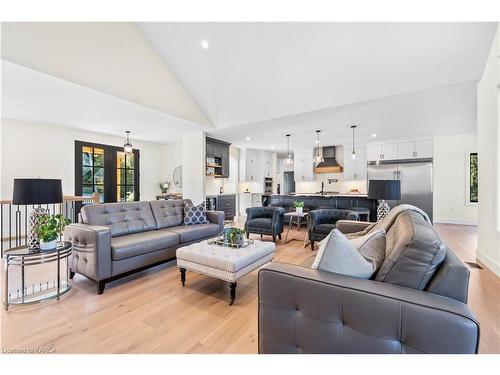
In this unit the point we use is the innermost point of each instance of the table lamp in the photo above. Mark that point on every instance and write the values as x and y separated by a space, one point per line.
383 190
36 191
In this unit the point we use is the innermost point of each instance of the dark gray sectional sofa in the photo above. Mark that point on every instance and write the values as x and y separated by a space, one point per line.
415 303
113 240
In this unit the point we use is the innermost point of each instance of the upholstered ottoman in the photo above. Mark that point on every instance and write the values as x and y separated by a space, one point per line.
224 263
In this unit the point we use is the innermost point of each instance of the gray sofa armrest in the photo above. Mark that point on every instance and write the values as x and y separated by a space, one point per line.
91 254
217 217
302 310
349 226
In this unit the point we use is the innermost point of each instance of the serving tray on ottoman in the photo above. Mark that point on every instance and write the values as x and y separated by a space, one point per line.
224 263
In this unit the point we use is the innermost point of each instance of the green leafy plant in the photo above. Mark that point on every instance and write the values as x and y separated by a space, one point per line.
164 186
298 204
51 226
234 235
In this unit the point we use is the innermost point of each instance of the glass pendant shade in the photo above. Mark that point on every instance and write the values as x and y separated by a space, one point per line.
289 159
318 156
127 146
353 155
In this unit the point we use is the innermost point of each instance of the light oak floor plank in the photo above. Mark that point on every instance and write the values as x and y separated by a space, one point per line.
151 312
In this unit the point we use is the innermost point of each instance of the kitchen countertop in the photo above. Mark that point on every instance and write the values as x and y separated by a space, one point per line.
330 195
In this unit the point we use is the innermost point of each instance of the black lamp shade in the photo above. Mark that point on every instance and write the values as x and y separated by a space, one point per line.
37 191
389 190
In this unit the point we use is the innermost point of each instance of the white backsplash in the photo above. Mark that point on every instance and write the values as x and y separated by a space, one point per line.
341 185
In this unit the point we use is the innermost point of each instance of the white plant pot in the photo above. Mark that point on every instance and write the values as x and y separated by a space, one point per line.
48 245
299 209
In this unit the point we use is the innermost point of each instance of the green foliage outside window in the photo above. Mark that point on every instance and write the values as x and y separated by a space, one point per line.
473 188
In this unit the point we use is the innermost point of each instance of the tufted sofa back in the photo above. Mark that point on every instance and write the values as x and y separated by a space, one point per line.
122 218
169 213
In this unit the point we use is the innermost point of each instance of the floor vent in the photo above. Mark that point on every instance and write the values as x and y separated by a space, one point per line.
474 265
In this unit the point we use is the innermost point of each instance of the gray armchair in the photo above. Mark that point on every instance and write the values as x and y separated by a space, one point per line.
321 222
265 220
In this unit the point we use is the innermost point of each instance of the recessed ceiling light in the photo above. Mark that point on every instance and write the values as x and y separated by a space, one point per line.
204 44
374 135
272 146
247 138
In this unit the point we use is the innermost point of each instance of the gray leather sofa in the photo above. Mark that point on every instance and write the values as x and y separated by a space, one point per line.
405 308
114 240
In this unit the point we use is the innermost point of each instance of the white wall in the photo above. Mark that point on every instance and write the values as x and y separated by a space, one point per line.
488 251
193 167
450 179
31 150
172 154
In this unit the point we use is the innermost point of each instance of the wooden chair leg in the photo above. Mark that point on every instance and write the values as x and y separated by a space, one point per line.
312 245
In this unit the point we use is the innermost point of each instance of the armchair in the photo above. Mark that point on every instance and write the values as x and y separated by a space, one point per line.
265 220
321 222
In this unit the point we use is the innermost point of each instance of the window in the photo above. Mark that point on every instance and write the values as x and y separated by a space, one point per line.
125 180
471 187
106 170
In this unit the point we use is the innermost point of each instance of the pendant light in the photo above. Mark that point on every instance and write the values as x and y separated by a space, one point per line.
318 157
127 146
353 155
289 158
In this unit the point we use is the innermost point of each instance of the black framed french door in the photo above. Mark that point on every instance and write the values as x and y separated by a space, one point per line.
107 170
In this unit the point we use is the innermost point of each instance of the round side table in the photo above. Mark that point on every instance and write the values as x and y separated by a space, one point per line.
49 284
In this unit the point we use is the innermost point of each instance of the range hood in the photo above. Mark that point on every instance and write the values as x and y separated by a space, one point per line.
330 165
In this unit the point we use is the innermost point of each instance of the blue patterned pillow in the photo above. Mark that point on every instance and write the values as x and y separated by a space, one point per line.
195 214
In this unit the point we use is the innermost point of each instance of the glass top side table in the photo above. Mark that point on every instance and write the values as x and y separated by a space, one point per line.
49 271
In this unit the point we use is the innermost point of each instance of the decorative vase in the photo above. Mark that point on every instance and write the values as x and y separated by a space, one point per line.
299 209
48 245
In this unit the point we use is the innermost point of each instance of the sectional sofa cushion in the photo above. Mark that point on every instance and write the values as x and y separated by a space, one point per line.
413 252
122 218
188 233
168 213
195 214
124 247
339 255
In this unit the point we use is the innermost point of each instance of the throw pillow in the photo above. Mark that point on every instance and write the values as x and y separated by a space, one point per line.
195 214
338 255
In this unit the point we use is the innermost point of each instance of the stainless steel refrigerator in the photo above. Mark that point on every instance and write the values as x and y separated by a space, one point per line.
416 180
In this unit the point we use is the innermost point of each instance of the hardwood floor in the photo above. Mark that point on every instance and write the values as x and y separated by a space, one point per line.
151 313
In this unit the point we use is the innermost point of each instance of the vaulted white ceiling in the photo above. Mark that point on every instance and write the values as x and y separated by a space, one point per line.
259 71
256 79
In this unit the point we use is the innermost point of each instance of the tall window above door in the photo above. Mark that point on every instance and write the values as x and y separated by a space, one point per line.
106 170
125 177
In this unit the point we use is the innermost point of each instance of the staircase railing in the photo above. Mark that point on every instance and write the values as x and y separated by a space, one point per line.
14 218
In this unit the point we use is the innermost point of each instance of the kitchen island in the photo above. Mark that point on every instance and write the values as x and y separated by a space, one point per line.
316 201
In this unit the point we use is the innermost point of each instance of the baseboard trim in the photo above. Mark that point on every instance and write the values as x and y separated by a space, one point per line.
488 263
455 221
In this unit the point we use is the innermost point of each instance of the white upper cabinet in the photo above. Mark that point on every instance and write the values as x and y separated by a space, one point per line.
382 151
401 150
424 149
303 166
355 169
406 150
267 161
253 169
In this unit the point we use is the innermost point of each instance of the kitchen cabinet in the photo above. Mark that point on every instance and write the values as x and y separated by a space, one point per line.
252 166
217 158
401 150
267 162
355 169
303 166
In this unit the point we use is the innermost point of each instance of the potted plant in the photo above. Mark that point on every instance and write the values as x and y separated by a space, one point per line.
164 186
234 235
51 227
299 206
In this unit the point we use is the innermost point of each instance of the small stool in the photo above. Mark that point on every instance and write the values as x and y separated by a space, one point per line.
361 211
